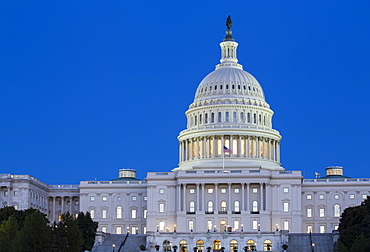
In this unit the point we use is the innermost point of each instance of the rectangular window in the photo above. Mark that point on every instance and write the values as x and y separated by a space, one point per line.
161 226
219 147
118 230
119 212
236 224
336 227
254 225
321 196
254 190
211 147
104 214
104 229
133 198
364 196
223 190
286 225
243 147
15 193
104 198
92 214
322 229
161 191
92 198
145 198
322 212
309 212
351 196
210 190
308 196
209 225
235 147
145 212
191 225
15 207
161 207
236 190
133 230
286 207
309 229
144 230
133 214
286 190
191 190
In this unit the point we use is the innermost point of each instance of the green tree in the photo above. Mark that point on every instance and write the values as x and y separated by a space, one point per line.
88 228
68 237
354 225
8 234
36 234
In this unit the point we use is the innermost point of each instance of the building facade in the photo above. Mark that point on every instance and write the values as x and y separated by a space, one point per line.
229 189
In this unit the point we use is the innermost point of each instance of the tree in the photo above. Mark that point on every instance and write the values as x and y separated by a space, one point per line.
68 237
36 234
354 227
88 228
8 235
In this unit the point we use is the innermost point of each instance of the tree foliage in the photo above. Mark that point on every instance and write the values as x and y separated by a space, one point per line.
68 237
8 234
88 228
354 228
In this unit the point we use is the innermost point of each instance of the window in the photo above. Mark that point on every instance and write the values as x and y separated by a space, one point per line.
322 229
219 117
104 198
209 225
254 190
104 214
336 227
92 214
286 190
212 117
15 207
234 117
118 230
233 245
15 193
119 212
161 207
236 224
144 230
249 117
227 116
191 225
255 206
364 196
161 191
133 230
206 118
145 198
241 116
308 196
223 206
133 198
351 196
309 212
286 207
210 206
92 198
336 196
309 229
267 244
286 225
119 198
161 226
210 190
223 190
183 246
191 190
236 206
145 213
192 207
321 196
322 212
254 224
104 229
133 214
336 210
236 190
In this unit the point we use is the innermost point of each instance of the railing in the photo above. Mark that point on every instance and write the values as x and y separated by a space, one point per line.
209 212
123 243
113 182
190 212
346 180
62 187
222 212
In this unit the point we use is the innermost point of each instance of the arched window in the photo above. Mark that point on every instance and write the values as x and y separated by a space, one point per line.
183 246
227 116
267 244
236 206
195 120
254 118
200 119
233 246
336 210
200 245
223 206
241 116
249 117
206 118
216 245
212 117
166 245
234 117
219 117
251 245
255 206
192 206
210 206
259 119
119 212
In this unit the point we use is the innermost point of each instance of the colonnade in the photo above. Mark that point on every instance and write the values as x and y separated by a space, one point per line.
239 146
66 205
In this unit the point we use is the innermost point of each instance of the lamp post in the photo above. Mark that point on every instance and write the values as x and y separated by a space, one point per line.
113 245
214 228
157 228
259 227
242 227
174 228
127 230
137 230
313 247
277 227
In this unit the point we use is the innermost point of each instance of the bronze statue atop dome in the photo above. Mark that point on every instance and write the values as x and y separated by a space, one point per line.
229 23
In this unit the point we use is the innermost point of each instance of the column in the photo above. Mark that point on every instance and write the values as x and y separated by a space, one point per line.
257 154
216 197
70 205
197 148
214 154
184 197
247 147
179 197
54 199
243 203
186 150
62 210
190 149
248 196
278 152
268 196
8 201
203 198
239 146
229 198
261 196
198 199
204 153
180 152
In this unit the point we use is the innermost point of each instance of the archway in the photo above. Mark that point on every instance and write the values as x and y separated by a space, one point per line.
216 245
183 246
166 245
200 245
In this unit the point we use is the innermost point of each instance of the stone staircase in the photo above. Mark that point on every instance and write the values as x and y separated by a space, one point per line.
302 242
132 243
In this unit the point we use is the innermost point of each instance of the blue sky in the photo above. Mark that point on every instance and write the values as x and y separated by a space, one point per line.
88 87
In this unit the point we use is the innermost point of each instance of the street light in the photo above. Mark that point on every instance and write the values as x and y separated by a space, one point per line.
242 227
259 227
174 228
127 230
137 230
113 245
277 227
313 247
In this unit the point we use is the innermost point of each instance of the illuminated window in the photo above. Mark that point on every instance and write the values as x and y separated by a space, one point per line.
286 189
308 196
104 229
209 225
233 245
145 198
236 206
133 230
219 147
364 196
161 207
321 196
161 225
322 212
192 190
322 229
236 190
15 207
336 227
309 212
254 225
15 193
133 214
286 207
223 205
286 225
92 198
255 206
161 191
191 225
351 196
235 147
236 224
119 198
104 214
166 245
254 190
92 214
210 190
336 210
243 147
183 246
200 245
210 206
119 212
267 244
144 230
118 230
192 206
145 213
133 198
309 229
211 147
223 190
104 198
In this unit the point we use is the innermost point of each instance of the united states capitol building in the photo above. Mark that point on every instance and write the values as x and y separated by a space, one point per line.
229 189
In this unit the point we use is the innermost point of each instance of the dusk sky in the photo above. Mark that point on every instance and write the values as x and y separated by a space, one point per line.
89 87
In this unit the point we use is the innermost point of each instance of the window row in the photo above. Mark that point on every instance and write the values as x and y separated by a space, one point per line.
119 198
336 196
336 211
222 117
118 213
223 207
119 229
